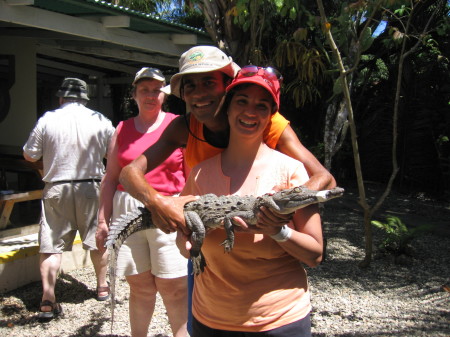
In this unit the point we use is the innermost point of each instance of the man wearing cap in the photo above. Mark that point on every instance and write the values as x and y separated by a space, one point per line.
205 71
73 141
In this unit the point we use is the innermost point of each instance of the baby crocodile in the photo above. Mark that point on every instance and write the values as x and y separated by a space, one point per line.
211 211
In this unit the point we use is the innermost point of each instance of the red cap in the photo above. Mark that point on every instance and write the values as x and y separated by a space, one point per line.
264 77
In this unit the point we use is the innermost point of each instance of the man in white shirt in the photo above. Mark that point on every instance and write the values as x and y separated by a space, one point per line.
72 141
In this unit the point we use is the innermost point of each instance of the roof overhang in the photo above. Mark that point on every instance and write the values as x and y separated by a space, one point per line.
97 36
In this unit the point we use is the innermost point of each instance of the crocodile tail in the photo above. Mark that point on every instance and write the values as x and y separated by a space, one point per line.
128 224
119 231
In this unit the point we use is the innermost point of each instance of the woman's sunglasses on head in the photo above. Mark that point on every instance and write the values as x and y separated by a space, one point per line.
269 73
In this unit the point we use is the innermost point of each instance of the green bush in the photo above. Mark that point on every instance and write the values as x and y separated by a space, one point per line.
398 235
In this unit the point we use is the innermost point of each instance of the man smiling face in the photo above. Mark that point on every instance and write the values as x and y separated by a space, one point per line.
203 93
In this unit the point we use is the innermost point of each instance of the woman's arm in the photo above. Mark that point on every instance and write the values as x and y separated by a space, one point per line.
306 243
107 190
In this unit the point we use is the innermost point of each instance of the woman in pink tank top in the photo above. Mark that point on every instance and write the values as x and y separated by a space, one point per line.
150 259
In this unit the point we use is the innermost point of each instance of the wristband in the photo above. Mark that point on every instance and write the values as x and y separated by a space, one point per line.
283 235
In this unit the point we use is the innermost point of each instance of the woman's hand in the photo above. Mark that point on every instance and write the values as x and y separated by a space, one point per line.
101 235
268 222
260 228
267 216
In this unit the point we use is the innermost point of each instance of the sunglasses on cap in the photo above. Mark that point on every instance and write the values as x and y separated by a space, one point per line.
268 73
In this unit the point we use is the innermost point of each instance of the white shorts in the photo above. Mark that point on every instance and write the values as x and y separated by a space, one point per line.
149 249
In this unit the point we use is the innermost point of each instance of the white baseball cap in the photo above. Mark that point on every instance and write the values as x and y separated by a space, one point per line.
150 73
202 59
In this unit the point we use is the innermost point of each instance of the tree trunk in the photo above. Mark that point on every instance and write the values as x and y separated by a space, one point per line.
243 46
369 211
336 126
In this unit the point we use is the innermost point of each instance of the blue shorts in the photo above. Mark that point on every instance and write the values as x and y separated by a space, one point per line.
301 328
190 290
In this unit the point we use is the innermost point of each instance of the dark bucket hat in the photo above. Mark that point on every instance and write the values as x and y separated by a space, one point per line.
73 88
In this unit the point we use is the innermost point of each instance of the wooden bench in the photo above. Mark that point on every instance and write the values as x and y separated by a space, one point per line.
7 202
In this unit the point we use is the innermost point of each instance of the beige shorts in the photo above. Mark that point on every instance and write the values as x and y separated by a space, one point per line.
66 209
149 249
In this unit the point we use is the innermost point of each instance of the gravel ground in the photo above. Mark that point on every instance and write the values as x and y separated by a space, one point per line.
402 298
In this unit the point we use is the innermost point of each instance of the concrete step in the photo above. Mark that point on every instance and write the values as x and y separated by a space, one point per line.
19 259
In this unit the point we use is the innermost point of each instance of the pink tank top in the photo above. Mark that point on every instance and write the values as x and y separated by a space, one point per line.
168 178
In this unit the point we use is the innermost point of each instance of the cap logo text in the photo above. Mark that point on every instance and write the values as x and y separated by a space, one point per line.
196 56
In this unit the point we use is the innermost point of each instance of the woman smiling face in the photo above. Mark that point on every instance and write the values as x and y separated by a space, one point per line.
250 109
148 95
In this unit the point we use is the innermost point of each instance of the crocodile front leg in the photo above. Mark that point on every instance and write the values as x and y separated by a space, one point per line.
228 243
195 224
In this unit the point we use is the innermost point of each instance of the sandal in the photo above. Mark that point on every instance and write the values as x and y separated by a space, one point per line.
103 290
55 312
